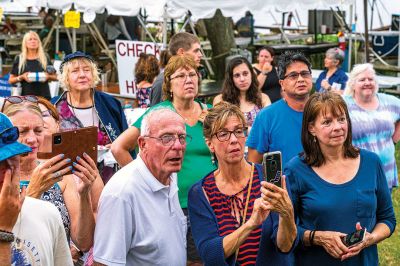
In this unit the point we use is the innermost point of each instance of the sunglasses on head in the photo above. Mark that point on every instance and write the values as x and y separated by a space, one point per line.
9 135
20 99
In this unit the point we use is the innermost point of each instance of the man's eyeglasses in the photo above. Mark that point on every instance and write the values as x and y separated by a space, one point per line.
225 135
20 99
295 75
9 135
183 76
169 139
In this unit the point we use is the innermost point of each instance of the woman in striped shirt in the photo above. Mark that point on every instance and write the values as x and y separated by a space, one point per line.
236 218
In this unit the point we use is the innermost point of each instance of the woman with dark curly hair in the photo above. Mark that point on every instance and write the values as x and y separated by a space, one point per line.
146 70
241 89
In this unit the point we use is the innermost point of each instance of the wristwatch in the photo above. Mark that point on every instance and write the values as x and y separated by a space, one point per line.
6 236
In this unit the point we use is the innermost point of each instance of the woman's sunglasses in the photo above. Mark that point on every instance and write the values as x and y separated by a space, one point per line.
20 99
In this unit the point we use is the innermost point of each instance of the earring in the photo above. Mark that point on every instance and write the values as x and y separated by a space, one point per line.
171 94
212 158
315 139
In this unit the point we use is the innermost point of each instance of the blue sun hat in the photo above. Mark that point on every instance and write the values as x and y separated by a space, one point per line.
9 145
77 54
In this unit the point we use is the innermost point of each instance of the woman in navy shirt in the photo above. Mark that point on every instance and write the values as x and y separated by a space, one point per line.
337 189
333 77
236 217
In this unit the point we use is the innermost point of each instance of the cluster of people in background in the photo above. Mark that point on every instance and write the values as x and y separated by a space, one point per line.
188 187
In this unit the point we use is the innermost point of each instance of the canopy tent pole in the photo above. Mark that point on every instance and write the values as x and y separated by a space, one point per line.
107 50
73 40
47 40
164 27
366 31
58 32
145 29
350 39
69 38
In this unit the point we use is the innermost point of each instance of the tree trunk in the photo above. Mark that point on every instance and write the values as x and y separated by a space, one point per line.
220 34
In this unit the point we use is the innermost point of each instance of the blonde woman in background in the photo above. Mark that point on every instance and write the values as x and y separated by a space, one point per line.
32 68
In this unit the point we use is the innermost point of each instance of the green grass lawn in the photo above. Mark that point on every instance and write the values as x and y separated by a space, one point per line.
389 250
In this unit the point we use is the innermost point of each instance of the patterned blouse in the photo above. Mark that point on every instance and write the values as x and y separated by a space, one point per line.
223 206
251 115
143 97
69 121
54 195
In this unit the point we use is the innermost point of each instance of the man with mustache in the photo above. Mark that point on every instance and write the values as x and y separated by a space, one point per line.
278 127
142 198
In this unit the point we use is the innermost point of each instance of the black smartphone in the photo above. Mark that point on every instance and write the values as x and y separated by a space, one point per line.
354 238
272 165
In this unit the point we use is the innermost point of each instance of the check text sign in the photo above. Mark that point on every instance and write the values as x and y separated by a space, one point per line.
128 53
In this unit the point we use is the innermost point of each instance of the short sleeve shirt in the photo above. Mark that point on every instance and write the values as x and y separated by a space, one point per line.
32 88
277 128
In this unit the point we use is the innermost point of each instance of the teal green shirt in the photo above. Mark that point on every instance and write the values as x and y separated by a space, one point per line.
197 159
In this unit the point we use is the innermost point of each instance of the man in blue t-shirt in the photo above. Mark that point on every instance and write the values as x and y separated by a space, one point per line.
278 127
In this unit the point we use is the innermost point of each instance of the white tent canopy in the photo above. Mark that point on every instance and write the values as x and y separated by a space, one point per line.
177 8
262 9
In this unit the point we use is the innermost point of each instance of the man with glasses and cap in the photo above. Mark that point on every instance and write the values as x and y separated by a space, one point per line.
143 198
31 230
278 127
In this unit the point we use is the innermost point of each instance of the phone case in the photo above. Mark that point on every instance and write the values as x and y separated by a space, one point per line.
71 143
354 238
272 165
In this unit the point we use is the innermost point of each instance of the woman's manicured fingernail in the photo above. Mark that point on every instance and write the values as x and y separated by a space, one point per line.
70 168
62 155
85 154
74 163
68 160
78 158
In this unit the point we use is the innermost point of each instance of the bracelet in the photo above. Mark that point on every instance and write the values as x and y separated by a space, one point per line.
312 234
6 236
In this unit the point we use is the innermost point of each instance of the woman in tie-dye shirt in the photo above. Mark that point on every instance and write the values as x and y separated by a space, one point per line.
374 118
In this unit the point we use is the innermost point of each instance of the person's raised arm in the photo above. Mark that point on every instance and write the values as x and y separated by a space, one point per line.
125 143
10 206
254 156
278 200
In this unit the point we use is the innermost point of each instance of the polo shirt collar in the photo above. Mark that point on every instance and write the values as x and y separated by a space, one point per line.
153 182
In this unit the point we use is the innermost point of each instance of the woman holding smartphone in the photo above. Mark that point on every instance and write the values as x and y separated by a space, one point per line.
81 105
337 189
50 180
236 217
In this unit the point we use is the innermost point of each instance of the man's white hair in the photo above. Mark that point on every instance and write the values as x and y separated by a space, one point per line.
154 116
